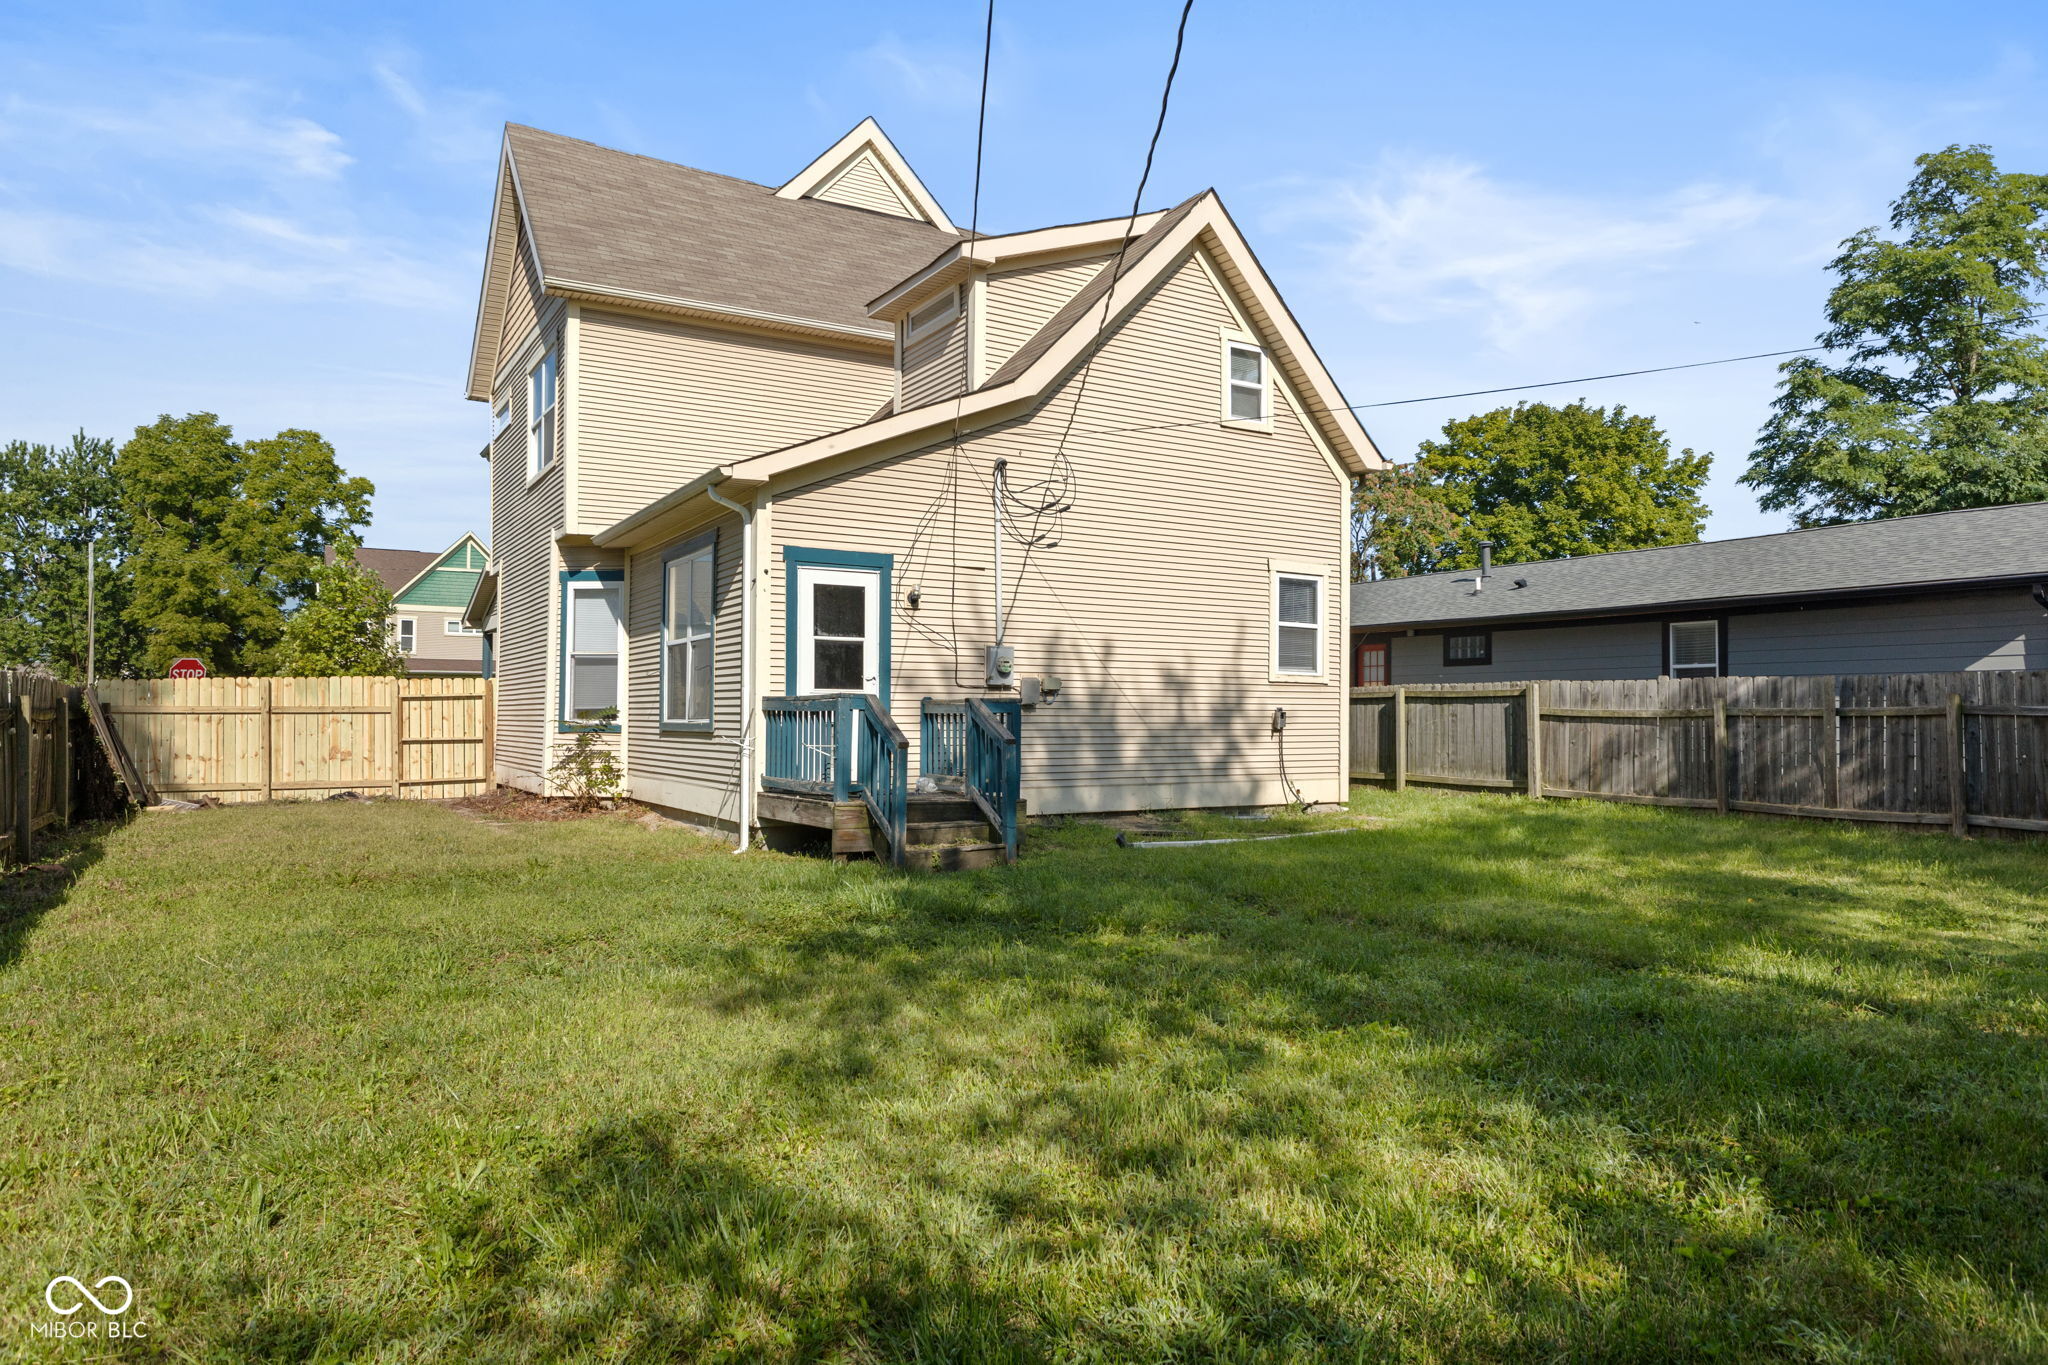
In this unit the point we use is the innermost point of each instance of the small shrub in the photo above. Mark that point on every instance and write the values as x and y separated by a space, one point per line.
589 773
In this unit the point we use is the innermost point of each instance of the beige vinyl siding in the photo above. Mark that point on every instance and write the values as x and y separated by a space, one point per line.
524 520
694 773
865 186
935 366
1019 302
1155 606
522 300
660 401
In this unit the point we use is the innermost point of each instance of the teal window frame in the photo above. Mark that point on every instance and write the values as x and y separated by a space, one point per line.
693 546
797 556
565 724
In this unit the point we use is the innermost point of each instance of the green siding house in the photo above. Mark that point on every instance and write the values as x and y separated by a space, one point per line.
429 592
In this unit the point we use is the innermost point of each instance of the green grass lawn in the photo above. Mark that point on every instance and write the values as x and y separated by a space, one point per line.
1488 1081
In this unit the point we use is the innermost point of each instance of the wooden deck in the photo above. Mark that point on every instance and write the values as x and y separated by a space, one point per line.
946 829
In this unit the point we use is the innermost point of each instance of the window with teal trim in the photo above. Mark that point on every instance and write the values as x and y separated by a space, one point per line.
590 682
688 618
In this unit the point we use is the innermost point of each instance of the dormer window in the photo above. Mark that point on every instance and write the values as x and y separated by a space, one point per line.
932 316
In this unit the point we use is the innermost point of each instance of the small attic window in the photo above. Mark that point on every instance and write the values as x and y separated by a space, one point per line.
934 315
1247 382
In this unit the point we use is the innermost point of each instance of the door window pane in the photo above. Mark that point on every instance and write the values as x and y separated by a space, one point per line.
839 609
836 664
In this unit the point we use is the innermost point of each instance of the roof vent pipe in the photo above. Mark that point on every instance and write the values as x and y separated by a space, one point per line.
1485 563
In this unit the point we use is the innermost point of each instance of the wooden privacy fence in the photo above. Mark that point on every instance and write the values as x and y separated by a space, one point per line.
262 739
35 759
1962 750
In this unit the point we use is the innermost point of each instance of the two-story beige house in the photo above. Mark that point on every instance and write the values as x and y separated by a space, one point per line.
831 503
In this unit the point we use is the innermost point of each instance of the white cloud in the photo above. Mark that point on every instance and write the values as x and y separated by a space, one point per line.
1422 239
219 124
949 77
224 253
458 127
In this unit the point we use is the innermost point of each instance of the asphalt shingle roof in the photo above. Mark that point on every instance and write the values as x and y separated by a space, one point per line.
394 568
1902 552
621 221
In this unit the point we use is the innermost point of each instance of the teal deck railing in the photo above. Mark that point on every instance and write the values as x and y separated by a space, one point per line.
993 772
942 734
842 747
885 775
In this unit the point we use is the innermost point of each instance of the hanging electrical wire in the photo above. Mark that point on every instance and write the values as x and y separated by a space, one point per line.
1051 497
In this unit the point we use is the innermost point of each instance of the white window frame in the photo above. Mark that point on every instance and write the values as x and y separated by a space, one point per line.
1677 670
704 549
1244 341
452 625
915 331
405 630
543 393
567 686
501 419
1279 570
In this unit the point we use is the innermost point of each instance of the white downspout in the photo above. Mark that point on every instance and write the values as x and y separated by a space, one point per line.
746 662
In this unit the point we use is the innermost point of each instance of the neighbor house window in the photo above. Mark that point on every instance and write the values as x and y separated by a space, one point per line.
687 618
453 626
1297 624
1468 647
1695 649
590 681
1247 387
408 634
932 316
540 434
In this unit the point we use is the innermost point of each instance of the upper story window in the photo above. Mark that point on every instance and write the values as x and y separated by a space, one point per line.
1247 381
408 635
540 434
501 419
1298 624
1695 649
452 625
932 316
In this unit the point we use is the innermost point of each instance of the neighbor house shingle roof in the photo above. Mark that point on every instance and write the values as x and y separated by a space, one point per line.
624 222
394 568
1980 544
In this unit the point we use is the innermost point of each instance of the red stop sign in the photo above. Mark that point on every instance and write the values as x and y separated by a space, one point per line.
187 668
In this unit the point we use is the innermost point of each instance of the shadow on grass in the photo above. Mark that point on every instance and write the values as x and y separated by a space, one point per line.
30 892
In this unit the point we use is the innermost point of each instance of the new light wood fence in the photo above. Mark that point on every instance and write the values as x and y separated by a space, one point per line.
263 739
1962 750
35 760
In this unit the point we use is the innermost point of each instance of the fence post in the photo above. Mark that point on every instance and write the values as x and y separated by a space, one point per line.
263 744
1532 717
1400 756
397 738
490 713
1831 744
1958 798
63 760
24 777
1721 752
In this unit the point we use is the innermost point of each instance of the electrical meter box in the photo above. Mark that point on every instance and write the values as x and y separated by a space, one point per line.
1002 663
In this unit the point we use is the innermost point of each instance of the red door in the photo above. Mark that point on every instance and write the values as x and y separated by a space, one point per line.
1369 664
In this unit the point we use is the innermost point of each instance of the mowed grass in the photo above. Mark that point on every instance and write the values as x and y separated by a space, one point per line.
1491 1080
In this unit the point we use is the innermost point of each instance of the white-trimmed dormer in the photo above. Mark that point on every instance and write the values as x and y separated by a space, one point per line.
864 170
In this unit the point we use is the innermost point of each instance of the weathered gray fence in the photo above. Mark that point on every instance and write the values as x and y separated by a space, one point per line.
35 759
1957 749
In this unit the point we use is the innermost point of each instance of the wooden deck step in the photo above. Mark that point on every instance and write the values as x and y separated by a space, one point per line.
947 831
956 857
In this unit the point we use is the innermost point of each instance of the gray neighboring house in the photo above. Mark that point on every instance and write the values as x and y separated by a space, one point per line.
1943 592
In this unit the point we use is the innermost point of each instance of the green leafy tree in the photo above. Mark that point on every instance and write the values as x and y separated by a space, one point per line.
1399 522
228 535
1540 482
344 628
55 501
1940 396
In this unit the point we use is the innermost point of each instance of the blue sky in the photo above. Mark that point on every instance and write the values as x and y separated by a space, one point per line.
277 212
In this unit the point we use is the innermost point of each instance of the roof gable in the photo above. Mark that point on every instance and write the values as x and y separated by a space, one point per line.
444 580
865 170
